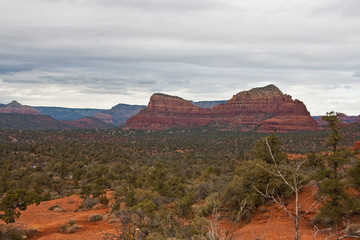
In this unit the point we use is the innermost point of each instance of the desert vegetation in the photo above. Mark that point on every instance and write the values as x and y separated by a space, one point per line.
181 183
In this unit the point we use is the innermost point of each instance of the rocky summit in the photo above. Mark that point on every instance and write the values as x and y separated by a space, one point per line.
16 108
264 109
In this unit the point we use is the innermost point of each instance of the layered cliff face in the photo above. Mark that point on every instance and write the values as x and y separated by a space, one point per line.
16 108
264 109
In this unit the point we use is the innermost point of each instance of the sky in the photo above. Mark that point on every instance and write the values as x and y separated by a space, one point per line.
98 53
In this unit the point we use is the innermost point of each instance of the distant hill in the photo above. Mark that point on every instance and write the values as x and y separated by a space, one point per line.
68 114
16 108
17 116
88 123
30 122
65 118
208 104
118 114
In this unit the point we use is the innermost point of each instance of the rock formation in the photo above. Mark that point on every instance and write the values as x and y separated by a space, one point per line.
16 108
264 109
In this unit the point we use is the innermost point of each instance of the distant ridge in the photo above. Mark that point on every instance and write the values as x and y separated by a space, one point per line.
263 109
68 114
118 114
30 122
344 120
16 108
208 104
87 123
17 116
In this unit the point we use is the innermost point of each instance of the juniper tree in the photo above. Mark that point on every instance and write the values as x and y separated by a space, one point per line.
332 185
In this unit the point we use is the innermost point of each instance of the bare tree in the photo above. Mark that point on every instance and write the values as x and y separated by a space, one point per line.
291 176
129 228
345 233
216 232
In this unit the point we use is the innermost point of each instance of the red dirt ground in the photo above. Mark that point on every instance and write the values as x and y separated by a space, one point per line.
49 222
274 224
268 223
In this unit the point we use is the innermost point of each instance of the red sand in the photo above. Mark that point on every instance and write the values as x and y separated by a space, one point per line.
270 223
49 222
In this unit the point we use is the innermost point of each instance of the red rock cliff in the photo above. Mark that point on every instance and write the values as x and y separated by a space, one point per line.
264 109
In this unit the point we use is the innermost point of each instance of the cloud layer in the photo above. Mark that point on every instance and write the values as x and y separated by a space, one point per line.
98 53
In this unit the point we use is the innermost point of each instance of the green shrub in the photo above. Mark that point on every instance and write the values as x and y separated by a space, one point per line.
147 206
184 205
71 229
354 174
72 222
115 206
88 203
10 233
95 217
46 197
63 228
156 236
211 204
104 200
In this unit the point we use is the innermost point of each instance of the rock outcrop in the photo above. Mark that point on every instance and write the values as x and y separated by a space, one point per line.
264 109
16 108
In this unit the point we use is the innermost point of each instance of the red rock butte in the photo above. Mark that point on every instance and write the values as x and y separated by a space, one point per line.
264 109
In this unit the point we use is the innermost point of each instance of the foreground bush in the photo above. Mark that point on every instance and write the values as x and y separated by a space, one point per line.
95 217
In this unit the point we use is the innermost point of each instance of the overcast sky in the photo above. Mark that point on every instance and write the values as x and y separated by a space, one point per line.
98 53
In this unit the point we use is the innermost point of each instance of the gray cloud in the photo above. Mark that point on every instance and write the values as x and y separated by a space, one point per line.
98 53
8 68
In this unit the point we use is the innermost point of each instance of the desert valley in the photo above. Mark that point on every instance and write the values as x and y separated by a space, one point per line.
257 166
179 120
